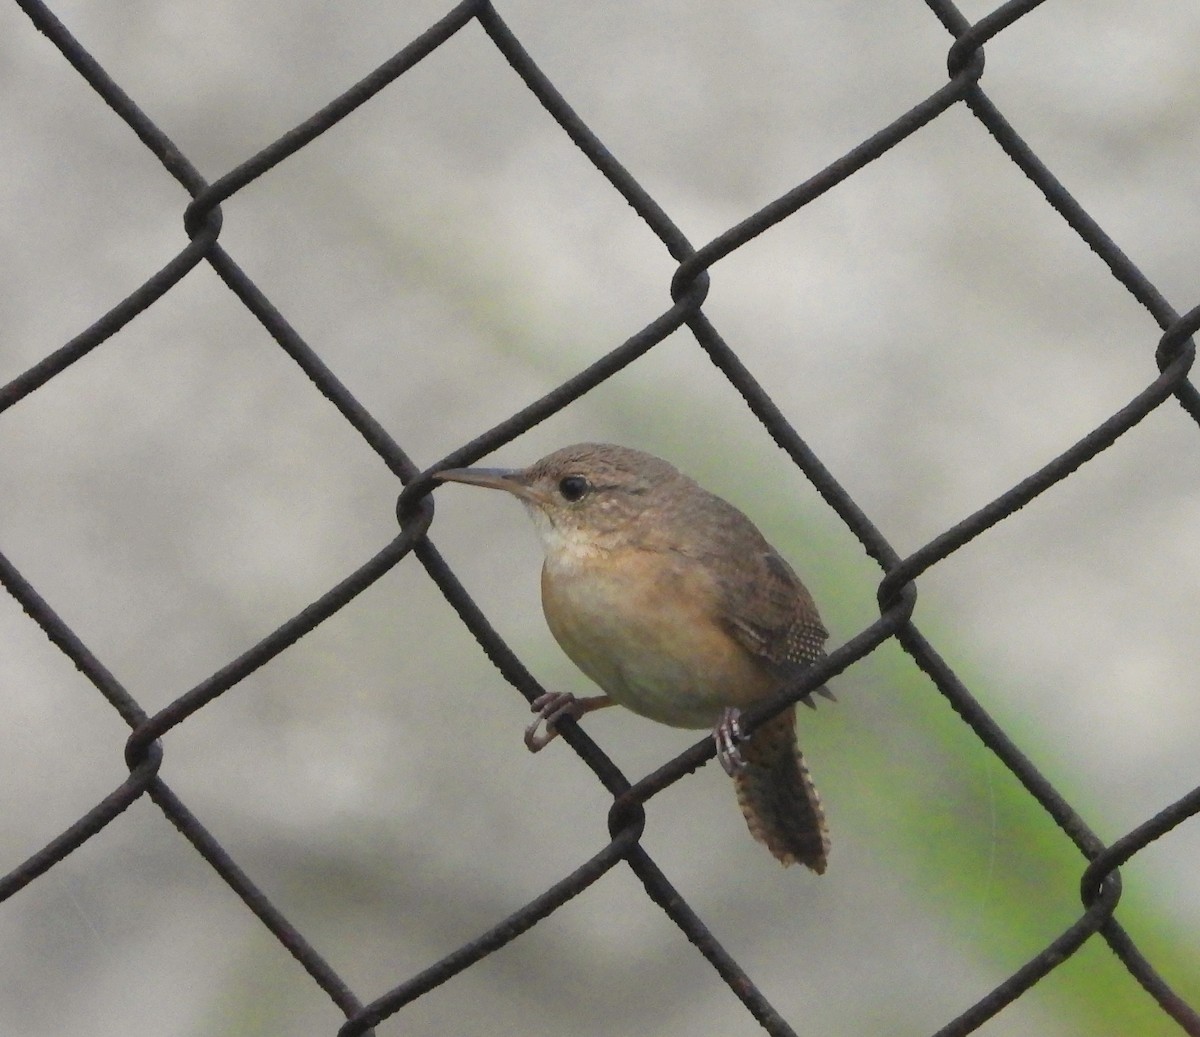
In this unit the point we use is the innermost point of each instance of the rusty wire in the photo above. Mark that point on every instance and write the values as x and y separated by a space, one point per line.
1100 881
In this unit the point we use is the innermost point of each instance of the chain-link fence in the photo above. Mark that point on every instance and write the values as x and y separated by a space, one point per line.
150 744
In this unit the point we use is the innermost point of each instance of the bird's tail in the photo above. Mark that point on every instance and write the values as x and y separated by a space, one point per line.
777 795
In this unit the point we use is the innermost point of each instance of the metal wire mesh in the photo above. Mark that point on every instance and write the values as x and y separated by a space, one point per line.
1099 878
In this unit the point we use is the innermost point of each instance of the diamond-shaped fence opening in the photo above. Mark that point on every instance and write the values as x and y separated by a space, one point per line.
255 389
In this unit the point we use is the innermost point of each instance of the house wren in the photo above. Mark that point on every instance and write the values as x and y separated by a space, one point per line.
673 602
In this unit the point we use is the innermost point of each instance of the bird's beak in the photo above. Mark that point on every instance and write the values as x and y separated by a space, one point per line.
510 479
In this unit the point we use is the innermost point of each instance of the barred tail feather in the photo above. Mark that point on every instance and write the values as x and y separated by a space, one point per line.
778 798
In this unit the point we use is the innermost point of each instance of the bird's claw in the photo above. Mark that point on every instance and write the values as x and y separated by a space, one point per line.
823 691
550 708
728 735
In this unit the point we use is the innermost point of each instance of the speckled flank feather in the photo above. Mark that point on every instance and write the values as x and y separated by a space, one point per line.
778 798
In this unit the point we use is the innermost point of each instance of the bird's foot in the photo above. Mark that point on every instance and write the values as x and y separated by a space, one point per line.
553 707
728 736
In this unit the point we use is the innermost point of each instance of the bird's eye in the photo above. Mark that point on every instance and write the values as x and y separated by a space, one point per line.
573 487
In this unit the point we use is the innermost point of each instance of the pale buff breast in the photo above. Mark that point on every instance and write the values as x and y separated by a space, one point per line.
643 626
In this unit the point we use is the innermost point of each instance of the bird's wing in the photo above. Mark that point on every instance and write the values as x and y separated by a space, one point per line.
759 599
772 615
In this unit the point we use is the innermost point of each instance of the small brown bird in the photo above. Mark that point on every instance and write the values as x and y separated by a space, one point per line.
673 602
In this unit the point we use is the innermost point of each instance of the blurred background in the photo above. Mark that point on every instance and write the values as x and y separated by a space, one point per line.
931 328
